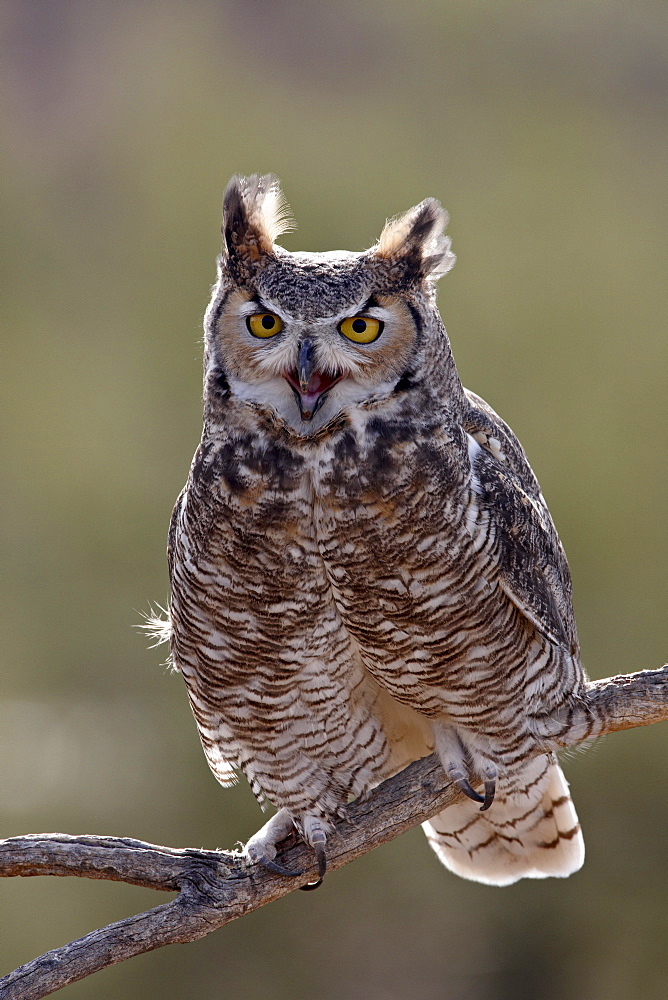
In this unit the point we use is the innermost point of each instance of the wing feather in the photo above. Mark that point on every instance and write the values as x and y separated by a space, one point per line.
533 570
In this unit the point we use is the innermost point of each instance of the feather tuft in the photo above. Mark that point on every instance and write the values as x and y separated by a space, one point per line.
156 626
255 214
417 238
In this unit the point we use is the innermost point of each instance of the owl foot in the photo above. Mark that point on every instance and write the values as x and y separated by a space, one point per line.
455 759
261 848
315 833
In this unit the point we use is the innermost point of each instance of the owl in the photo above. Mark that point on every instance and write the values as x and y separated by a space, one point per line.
363 568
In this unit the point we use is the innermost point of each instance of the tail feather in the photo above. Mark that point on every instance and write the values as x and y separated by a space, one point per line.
530 831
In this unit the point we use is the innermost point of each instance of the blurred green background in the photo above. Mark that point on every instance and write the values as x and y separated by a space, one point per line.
542 129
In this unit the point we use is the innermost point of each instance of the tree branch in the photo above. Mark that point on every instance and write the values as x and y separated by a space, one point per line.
215 887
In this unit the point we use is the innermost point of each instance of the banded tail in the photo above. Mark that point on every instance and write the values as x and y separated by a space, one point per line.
530 831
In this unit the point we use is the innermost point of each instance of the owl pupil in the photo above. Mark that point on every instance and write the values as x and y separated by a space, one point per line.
359 325
268 322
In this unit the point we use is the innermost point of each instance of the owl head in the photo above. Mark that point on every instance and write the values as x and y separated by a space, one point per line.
310 336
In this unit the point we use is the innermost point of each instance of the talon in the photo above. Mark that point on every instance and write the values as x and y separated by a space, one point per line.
311 885
463 784
490 787
321 858
277 869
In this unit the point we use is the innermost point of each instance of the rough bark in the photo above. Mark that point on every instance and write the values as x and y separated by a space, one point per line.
215 887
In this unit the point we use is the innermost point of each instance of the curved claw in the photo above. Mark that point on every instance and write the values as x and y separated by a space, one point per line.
311 885
490 787
463 784
277 869
321 858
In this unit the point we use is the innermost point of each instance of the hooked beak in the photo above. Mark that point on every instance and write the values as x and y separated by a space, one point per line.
308 384
305 364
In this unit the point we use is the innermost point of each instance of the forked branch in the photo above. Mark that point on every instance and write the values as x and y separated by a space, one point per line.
216 887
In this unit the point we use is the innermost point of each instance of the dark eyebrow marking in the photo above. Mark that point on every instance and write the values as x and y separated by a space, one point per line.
371 303
262 305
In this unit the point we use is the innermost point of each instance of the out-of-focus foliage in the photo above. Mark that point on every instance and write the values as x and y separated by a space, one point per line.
542 128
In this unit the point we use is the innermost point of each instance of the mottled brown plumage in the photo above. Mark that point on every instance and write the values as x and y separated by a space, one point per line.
363 567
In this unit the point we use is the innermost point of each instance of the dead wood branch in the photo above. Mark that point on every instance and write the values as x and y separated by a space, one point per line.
215 887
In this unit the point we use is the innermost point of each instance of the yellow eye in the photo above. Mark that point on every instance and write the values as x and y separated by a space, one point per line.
361 329
264 324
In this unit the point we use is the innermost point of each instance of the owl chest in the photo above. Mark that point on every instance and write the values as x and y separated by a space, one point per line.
346 518
306 553
395 545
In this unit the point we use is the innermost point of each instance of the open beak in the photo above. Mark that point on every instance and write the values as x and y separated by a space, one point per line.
308 384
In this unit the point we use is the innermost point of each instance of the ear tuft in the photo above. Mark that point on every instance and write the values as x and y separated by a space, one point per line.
255 214
416 239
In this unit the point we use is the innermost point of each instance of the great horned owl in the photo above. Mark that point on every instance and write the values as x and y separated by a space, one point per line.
363 567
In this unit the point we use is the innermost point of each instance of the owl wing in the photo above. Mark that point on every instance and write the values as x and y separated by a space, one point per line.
173 528
532 566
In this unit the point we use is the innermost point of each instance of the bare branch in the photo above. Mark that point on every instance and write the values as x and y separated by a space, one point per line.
610 705
215 887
